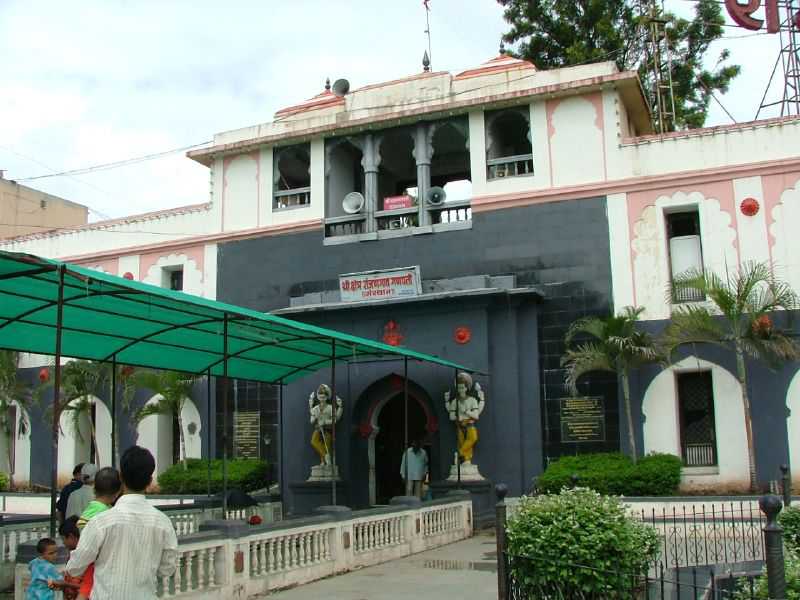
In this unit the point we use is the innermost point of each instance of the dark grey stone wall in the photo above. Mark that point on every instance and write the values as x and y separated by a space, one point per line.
562 247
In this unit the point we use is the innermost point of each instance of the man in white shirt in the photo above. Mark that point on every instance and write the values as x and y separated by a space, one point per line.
131 544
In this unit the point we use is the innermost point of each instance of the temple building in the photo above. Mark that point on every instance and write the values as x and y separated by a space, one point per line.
473 216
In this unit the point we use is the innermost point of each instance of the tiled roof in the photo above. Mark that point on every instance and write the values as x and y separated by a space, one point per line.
323 100
498 64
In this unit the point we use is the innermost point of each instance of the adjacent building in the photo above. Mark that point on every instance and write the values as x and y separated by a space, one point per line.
493 207
24 210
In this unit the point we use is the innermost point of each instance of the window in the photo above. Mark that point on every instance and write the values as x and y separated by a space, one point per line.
697 428
291 177
172 278
344 172
685 250
509 152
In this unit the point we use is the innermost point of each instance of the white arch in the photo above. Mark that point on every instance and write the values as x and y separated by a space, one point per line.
662 430
155 434
74 448
793 424
22 449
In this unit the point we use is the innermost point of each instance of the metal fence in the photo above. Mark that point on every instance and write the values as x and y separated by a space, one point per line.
583 583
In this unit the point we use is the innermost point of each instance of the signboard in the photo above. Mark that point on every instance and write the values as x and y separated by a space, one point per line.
382 285
395 202
247 434
743 14
583 420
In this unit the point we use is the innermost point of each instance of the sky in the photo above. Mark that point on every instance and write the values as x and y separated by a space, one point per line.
97 81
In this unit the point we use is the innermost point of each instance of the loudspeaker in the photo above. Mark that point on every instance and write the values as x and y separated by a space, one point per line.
341 87
353 203
435 196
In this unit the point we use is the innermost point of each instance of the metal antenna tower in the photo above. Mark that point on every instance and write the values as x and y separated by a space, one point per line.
788 60
658 62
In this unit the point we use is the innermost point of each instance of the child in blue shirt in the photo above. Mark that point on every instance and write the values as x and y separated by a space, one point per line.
45 578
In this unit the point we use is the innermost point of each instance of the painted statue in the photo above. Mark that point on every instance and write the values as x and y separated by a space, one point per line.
465 409
322 419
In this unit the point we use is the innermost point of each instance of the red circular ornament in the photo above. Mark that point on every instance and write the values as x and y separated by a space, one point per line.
128 275
44 374
749 207
462 335
127 371
255 520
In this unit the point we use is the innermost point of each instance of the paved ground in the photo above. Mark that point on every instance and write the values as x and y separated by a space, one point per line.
464 570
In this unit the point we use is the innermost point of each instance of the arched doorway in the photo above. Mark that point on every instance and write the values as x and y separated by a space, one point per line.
390 444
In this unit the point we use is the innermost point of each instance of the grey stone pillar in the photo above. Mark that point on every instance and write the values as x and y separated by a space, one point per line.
423 152
371 161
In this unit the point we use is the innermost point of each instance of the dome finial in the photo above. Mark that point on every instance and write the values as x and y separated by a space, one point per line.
426 62
327 84
502 47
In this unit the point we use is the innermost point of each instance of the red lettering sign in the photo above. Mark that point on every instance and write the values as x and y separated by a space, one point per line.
742 14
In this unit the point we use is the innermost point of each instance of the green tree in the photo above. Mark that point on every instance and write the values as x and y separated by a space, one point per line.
13 393
738 320
614 345
560 33
172 389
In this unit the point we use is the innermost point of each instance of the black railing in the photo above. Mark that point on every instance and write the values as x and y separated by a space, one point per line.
581 582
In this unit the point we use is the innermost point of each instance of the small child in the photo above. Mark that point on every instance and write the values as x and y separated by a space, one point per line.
45 578
70 534
107 485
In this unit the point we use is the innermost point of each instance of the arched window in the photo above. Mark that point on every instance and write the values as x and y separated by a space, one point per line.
509 152
344 172
291 177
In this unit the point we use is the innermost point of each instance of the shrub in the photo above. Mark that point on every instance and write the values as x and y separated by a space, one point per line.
789 520
245 474
760 588
4 481
550 536
615 474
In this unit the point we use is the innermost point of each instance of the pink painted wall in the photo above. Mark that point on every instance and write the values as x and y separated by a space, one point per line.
195 253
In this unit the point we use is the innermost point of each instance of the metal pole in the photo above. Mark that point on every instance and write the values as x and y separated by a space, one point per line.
208 431
786 478
334 408
773 546
225 416
500 491
114 411
405 420
56 401
280 439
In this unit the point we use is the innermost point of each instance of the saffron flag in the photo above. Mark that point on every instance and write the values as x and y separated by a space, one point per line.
425 4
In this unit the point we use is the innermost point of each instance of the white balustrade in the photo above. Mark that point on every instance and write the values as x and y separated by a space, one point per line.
378 532
196 570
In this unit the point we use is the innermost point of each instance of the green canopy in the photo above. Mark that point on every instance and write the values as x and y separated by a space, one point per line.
107 317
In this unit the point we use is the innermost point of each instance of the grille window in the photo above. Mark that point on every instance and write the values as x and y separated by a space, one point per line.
698 430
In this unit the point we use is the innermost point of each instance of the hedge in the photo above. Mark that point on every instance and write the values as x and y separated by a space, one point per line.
578 544
4 481
614 474
244 474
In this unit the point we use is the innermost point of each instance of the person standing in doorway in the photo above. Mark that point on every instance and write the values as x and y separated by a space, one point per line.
414 468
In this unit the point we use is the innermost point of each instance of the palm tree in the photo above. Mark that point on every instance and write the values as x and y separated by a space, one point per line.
13 392
616 346
81 382
172 389
737 319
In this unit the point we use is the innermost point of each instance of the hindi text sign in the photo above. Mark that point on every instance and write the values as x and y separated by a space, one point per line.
380 285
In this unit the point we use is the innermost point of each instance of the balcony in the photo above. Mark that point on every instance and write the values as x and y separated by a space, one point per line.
289 199
509 166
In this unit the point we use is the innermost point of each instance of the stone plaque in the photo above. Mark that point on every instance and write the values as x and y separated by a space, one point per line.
583 420
381 285
247 434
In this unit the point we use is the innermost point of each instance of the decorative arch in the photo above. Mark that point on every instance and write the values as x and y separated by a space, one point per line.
793 423
662 423
21 446
378 395
155 432
75 446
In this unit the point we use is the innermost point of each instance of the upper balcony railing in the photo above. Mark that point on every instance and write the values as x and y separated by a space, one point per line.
509 166
294 198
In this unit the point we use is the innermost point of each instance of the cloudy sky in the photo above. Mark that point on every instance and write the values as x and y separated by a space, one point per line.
91 82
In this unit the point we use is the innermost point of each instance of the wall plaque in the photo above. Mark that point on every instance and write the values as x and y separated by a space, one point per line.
247 434
583 420
371 285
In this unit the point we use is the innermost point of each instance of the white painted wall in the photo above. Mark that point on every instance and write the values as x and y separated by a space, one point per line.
651 255
192 275
74 448
662 429
784 229
22 454
576 143
241 193
620 248
793 426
